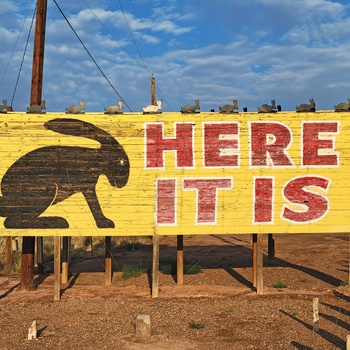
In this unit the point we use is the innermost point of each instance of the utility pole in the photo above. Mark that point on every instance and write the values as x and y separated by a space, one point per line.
28 245
153 91
38 53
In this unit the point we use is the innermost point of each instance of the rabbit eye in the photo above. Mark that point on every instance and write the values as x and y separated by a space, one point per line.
122 162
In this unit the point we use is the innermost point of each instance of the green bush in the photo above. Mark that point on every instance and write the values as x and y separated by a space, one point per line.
168 266
280 285
195 325
130 270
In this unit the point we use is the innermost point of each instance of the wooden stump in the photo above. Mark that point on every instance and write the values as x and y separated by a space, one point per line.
32 333
143 327
8 252
316 326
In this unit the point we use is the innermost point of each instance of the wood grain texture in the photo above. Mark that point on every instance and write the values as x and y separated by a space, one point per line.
202 173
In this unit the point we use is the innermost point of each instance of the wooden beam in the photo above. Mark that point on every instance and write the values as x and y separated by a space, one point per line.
180 260
40 254
108 261
155 267
254 243
271 247
8 252
28 246
57 268
259 264
65 265
27 263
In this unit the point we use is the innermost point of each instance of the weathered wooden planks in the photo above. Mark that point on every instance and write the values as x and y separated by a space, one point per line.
203 173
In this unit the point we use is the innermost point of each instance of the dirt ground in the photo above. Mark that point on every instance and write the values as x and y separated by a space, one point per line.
215 309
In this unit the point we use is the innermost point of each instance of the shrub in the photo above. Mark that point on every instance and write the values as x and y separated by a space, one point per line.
130 270
168 266
195 325
280 285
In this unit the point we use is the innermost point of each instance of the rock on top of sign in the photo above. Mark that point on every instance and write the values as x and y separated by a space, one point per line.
340 107
229 108
265 108
307 107
190 108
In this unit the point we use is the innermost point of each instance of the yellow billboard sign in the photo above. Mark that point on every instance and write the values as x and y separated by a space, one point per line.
172 173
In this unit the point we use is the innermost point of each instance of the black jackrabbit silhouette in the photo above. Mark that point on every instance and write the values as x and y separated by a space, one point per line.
49 175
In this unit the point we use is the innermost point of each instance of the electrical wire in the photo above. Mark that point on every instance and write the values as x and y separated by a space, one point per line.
139 52
142 65
112 36
14 48
88 52
24 54
132 36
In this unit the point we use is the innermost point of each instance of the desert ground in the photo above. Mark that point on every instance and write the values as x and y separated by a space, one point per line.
216 308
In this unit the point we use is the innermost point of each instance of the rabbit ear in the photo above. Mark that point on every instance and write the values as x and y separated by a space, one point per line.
75 127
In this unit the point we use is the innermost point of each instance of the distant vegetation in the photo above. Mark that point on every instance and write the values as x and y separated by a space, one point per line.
81 247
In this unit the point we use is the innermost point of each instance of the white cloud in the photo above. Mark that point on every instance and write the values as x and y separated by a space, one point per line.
289 50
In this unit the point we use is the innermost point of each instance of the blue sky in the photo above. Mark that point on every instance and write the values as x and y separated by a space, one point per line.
214 51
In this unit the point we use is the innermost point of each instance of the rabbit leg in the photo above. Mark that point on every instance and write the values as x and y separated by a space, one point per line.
32 222
24 211
94 205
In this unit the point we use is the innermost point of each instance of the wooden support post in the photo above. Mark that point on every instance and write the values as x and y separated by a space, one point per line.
8 252
108 261
254 242
155 267
271 247
348 342
259 264
40 254
57 268
316 319
180 260
28 246
65 265
69 246
27 264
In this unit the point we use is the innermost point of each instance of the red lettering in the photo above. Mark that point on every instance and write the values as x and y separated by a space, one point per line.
269 144
220 141
166 201
318 151
314 205
157 144
207 197
263 196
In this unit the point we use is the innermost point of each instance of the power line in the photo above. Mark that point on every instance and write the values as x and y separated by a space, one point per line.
14 48
24 54
88 52
121 46
143 65
132 36
134 41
